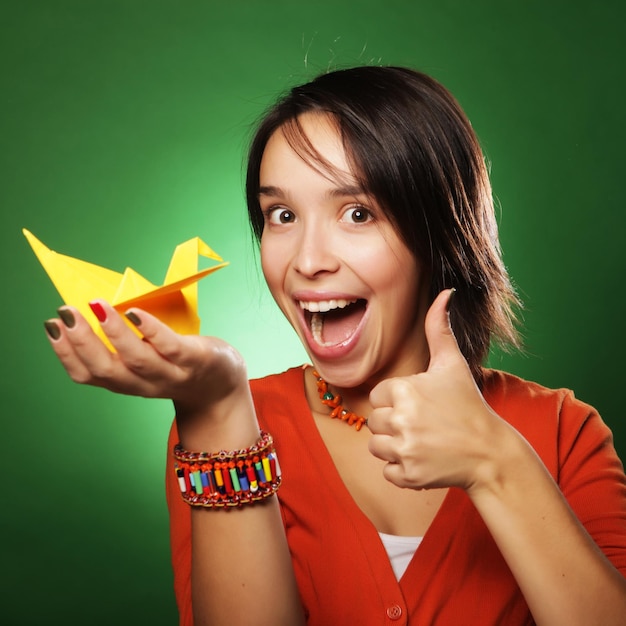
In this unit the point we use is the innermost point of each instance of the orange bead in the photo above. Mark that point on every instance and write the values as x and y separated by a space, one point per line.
334 402
336 412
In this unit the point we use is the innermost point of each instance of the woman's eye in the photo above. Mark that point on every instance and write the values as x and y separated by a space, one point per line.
280 216
357 215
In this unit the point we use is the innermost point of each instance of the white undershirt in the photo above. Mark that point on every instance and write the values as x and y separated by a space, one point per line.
400 551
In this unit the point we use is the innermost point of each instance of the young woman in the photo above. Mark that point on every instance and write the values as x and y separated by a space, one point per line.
444 493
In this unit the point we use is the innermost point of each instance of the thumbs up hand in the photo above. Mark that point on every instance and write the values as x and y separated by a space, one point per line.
435 429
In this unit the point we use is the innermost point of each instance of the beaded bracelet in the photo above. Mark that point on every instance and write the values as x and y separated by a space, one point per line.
228 479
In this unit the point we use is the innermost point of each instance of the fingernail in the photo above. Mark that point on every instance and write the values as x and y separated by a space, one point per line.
132 317
98 311
67 316
54 332
450 298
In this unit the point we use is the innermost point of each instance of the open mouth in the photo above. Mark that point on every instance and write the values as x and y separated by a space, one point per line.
333 322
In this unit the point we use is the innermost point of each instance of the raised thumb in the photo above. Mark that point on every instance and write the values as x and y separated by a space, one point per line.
442 344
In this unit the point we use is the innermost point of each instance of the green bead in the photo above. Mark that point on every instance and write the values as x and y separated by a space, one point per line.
328 396
197 482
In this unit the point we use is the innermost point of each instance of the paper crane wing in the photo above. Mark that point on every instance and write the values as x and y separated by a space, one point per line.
175 302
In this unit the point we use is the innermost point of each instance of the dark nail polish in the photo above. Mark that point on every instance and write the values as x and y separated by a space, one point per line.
450 298
54 332
67 316
133 318
98 311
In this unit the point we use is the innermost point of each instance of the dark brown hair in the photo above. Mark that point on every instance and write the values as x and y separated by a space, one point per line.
414 150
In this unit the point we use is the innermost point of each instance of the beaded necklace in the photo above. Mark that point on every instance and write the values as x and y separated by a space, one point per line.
334 402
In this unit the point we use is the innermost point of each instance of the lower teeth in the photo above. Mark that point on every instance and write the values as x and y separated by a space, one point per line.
317 325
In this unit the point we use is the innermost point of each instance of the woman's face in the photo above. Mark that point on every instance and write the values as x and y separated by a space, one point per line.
342 276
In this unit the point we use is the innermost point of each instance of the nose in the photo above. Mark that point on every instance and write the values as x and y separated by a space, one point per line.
316 253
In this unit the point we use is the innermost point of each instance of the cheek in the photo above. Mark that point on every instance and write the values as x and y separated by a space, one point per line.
392 267
266 263
272 265
409 283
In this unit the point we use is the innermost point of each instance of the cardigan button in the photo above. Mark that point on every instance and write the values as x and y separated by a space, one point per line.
394 612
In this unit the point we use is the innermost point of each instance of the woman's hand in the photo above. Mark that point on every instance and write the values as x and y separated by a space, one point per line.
204 376
435 429
207 380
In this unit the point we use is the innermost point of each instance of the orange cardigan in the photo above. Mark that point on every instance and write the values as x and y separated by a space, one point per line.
457 575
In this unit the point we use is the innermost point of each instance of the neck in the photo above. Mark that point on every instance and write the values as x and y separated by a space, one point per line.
356 399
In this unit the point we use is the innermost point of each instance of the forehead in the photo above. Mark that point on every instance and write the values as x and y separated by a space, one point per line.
313 139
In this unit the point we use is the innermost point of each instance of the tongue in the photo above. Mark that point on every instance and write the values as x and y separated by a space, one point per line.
340 324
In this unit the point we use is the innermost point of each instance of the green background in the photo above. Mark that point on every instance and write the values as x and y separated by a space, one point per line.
123 126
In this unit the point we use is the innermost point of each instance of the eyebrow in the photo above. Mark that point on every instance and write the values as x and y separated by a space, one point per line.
269 190
336 192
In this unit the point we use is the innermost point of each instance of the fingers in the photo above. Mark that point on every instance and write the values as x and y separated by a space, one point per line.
132 367
75 344
62 346
429 427
168 343
442 344
382 447
444 350
398 469
132 355
396 474
381 396
182 354
204 376
393 420
391 402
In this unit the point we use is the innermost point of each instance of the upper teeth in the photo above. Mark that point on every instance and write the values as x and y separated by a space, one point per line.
322 306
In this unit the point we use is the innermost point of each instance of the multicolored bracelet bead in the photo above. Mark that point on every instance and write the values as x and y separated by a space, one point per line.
228 479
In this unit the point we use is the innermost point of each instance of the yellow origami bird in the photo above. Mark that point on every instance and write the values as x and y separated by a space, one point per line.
175 302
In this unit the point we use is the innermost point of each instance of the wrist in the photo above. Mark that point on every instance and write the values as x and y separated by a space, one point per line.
225 479
504 457
228 424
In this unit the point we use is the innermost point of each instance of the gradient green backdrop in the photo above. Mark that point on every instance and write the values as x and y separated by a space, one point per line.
123 127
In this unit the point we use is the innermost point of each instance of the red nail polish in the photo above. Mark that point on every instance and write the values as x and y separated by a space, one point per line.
98 311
